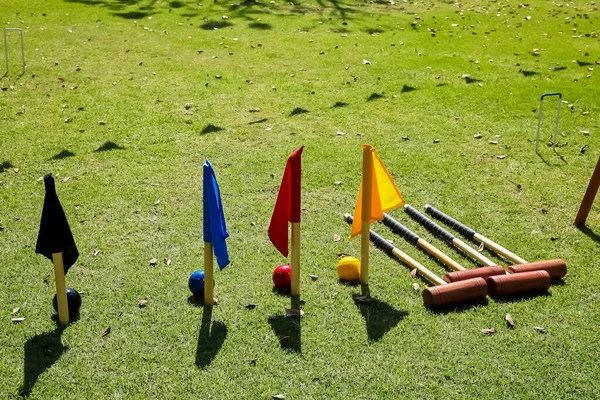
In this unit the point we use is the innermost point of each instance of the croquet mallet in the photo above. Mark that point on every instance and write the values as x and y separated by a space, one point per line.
499 284
442 293
557 268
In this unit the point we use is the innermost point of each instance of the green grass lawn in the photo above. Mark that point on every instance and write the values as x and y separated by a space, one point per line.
123 100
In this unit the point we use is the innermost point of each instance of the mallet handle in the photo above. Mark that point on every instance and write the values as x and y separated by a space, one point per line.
447 236
399 254
471 234
413 238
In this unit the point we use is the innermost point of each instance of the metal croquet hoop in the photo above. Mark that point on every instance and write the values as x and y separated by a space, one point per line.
22 50
537 138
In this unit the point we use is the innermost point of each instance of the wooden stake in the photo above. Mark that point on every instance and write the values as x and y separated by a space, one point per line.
588 198
367 188
61 288
295 289
208 275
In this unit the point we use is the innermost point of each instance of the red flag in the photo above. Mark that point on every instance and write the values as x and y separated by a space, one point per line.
287 206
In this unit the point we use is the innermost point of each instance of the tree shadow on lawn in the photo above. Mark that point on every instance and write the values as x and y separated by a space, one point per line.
379 317
41 352
210 339
63 154
109 145
248 10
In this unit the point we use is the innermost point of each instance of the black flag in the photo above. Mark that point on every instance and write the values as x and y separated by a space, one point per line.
55 234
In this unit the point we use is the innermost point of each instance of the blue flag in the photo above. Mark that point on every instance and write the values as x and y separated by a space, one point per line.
215 231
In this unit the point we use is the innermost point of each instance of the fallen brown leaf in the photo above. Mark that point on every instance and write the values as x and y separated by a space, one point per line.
142 303
413 273
16 310
488 331
168 261
279 396
17 320
313 277
509 321
105 332
153 261
539 329
337 238
481 247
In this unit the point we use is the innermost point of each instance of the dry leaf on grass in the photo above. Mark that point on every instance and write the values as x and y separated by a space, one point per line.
142 303
105 332
17 320
153 261
413 273
337 238
481 247
488 331
539 329
509 321
313 277
96 252
279 397
16 310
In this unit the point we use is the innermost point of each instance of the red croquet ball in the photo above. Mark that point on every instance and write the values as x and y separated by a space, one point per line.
282 277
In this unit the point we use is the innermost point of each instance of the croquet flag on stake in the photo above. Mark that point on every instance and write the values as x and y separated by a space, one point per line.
377 194
287 206
287 209
55 234
215 230
385 195
56 242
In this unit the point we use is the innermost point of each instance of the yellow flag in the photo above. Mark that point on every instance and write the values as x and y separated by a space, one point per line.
385 195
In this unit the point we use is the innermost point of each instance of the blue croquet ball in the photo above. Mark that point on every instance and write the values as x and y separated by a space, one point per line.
73 302
282 277
196 283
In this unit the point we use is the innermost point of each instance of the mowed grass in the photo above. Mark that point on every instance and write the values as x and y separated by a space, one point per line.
127 99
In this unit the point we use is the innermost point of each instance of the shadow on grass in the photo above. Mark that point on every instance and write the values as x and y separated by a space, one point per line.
528 73
557 155
212 25
281 292
339 104
107 146
524 296
258 121
5 165
298 111
584 63
62 154
468 80
211 338
210 128
289 332
260 26
379 317
406 89
375 96
41 352
458 308
589 233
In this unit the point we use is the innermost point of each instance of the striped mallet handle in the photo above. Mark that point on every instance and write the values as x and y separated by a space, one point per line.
413 238
399 254
447 236
471 234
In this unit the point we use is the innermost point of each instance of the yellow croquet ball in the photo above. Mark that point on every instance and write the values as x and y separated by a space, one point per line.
348 268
